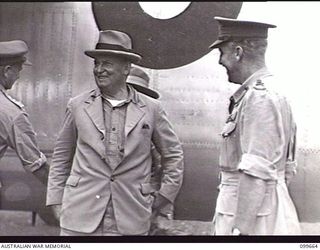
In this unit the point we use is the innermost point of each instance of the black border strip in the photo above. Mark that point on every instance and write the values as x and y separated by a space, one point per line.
160 239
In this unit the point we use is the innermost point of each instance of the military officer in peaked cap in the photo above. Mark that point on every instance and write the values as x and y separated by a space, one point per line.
257 159
15 128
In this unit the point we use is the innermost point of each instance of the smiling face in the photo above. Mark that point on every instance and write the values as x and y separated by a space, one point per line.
110 72
228 59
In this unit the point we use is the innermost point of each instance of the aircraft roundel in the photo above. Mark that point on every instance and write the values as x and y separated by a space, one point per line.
166 43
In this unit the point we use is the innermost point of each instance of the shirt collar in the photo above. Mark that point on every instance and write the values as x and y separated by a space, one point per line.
132 95
240 93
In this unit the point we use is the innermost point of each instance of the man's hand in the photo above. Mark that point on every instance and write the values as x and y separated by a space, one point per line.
56 211
288 180
288 177
159 202
236 232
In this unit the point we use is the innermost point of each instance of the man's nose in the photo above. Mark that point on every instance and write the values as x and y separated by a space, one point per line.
99 68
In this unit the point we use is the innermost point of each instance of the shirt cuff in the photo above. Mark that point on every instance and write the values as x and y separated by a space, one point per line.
166 195
258 167
37 163
54 198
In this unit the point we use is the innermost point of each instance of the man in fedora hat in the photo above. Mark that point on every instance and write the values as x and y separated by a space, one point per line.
15 128
257 159
101 165
140 80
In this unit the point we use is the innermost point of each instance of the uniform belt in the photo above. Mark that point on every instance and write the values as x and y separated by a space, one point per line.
281 177
229 177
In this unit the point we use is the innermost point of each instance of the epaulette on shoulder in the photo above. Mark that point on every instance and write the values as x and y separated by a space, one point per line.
259 85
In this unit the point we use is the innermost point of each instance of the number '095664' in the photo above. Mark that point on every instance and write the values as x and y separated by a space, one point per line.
308 245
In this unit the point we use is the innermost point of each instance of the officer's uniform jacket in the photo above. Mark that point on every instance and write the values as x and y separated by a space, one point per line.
258 139
16 132
81 179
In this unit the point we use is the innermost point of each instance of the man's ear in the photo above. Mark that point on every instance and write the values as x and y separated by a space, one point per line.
6 70
238 53
127 69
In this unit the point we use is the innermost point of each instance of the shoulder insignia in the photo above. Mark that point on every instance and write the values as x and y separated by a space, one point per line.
259 85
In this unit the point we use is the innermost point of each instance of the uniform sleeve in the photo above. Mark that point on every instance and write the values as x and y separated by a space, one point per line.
22 139
263 144
262 136
168 145
291 164
62 159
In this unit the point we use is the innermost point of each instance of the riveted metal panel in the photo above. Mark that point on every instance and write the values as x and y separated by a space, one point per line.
53 34
195 97
56 39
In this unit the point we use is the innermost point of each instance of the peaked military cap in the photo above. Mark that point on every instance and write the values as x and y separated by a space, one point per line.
233 29
13 52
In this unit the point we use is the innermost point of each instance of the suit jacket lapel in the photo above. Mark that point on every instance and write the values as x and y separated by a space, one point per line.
134 114
95 112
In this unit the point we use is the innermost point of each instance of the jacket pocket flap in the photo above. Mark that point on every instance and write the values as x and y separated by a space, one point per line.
73 180
148 188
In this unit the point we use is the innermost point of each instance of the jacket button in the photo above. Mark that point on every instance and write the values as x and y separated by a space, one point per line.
98 196
111 178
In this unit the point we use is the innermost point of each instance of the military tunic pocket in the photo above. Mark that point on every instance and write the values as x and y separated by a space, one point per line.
228 129
266 207
228 150
231 125
227 199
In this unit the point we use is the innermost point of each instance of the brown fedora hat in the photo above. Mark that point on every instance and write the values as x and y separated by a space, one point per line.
140 81
115 43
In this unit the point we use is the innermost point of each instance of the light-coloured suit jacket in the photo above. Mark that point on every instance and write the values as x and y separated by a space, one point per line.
83 182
